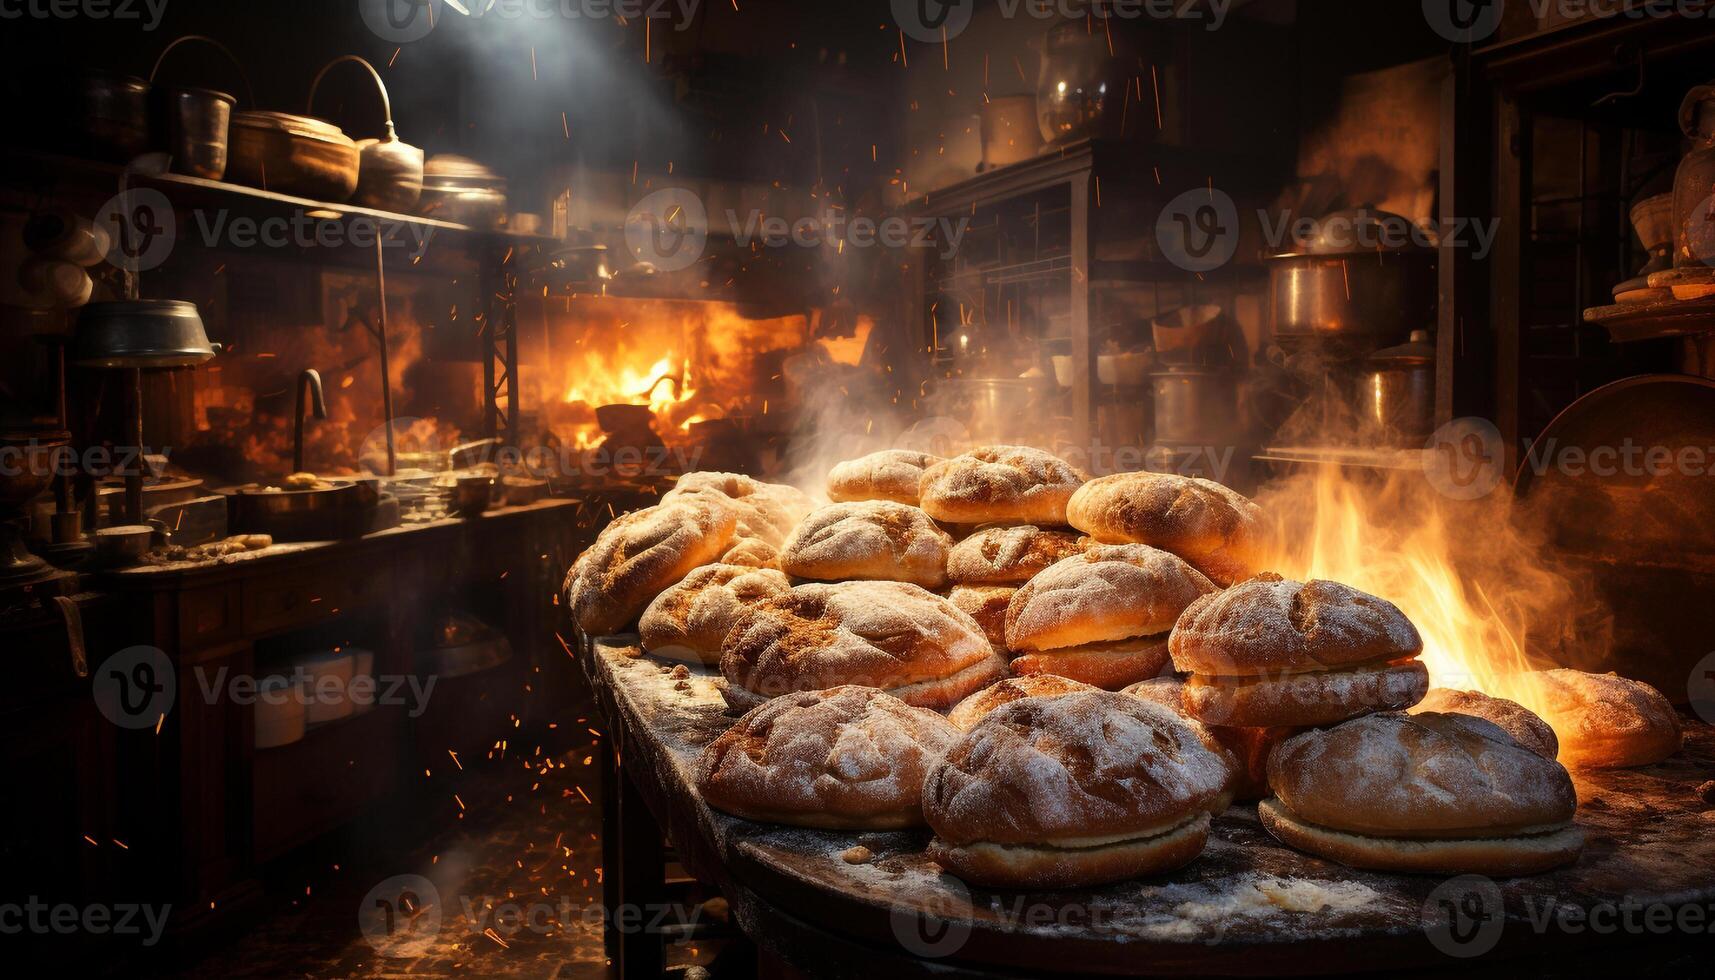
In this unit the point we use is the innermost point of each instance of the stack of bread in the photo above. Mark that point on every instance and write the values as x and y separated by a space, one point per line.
1065 680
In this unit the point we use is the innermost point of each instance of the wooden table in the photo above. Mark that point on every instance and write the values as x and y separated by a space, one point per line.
1248 906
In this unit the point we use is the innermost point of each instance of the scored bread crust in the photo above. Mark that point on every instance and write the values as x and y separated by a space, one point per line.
846 758
1605 721
1000 484
876 540
689 621
1249 747
639 555
767 512
1089 764
1270 624
987 605
1420 776
1110 592
1042 866
1109 666
1216 529
978 706
889 635
1010 555
1300 700
1497 856
1513 718
892 474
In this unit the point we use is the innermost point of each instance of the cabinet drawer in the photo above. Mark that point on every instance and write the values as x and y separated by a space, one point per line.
209 616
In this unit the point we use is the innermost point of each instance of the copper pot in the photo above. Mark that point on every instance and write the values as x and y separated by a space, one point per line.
390 171
193 124
288 154
461 190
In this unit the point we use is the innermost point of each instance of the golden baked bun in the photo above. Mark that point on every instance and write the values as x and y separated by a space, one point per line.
868 540
1324 697
639 555
1109 666
1270 625
1248 747
689 621
892 474
1108 593
1000 485
1605 721
767 512
1217 530
1429 794
893 636
1072 790
978 706
1010 555
1513 718
850 758
751 553
987 605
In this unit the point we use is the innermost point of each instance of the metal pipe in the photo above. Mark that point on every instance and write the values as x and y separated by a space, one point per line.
134 473
381 339
309 382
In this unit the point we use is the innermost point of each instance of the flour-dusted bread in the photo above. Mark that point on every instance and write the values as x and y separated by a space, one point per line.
892 474
1513 718
1605 721
1000 485
1011 555
874 540
639 555
690 620
1216 529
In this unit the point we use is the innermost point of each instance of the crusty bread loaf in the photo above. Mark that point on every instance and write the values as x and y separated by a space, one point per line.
889 635
639 555
690 620
1270 625
767 512
1010 555
987 604
892 474
1109 666
1513 718
1078 866
846 758
868 540
1523 854
1605 721
1218 530
1000 484
1108 593
1249 747
1426 776
975 708
1299 700
1088 764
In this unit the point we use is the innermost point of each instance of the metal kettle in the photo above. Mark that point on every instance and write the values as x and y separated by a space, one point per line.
1694 185
390 171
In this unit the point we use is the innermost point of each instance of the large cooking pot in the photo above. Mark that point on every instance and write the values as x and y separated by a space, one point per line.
141 333
461 190
1364 278
1196 407
330 512
1397 392
990 410
390 171
279 151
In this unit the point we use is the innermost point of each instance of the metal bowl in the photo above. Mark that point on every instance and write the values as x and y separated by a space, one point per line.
141 333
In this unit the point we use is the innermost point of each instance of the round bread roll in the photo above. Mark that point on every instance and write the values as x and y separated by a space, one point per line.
1009 555
1270 625
1217 530
689 621
1000 484
1108 593
1513 718
1078 789
987 605
1301 700
1109 666
639 555
1605 721
751 553
767 512
1249 747
892 474
875 540
888 635
850 758
978 706
1428 794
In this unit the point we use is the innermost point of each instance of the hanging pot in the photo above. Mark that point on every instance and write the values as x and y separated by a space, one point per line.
193 124
288 154
390 171
141 333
